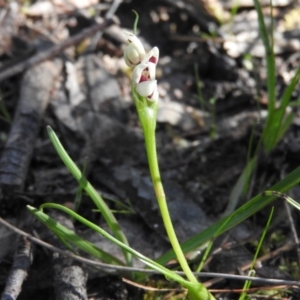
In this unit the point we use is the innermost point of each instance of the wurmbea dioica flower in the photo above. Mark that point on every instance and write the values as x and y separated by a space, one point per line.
145 95
143 76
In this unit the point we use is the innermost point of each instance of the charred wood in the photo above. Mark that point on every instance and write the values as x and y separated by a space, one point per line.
18 273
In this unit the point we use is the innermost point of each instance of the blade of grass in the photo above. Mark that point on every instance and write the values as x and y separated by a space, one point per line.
262 238
251 207
279 123
289 90
197 290
270 58
77 241
247 285
93 194
71 239
210 244
283 196
268 134
78 196
285 125
240 186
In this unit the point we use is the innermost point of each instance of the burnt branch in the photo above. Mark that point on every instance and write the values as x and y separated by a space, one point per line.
35 93
18 273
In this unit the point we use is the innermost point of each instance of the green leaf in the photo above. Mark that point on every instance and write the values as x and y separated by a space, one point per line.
97 199
71 239
278 122
285 125
240 186
251 207
270 58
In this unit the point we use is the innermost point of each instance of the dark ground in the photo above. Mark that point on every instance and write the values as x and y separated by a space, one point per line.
83 93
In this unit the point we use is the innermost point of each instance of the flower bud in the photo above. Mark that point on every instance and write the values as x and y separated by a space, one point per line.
134 51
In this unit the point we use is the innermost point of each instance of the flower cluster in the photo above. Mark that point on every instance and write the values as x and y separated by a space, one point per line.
144 65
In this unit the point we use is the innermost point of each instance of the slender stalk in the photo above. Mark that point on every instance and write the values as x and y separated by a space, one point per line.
145 95
149 132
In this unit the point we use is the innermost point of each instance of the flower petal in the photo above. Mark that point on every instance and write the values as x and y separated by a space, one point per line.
151 70
146 88
152 56
143 72
137 73
154 97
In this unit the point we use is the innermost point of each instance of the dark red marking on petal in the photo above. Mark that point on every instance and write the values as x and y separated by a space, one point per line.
150 96
153 59
143 78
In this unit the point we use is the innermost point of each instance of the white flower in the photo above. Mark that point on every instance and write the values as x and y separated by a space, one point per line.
143 72
143 77
134 51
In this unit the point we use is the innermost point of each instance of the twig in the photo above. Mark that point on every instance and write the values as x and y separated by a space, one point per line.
16 155
18 273
109 15
53 51
251 290
114 7
141 270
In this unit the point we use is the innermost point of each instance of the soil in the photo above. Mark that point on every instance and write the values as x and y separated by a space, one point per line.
213 106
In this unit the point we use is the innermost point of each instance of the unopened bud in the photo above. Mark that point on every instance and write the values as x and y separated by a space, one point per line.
134 51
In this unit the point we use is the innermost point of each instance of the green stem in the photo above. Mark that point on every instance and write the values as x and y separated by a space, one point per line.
149 132
147 112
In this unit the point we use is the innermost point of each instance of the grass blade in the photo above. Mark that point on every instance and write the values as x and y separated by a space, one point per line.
284 126
240 186
270 58
283 196
251 207
268 135
71 239
89 189
252 271
69 236
279 123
